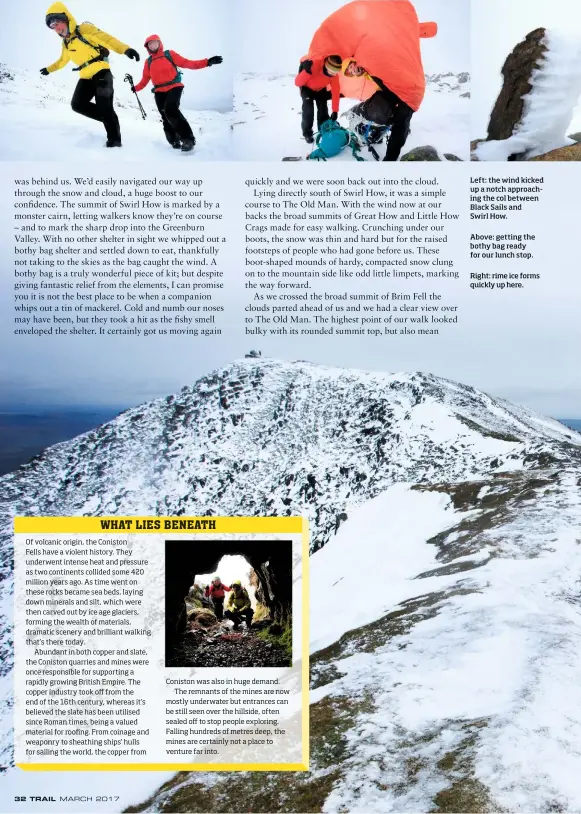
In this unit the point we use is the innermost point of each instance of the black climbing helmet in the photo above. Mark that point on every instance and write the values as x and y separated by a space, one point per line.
51 19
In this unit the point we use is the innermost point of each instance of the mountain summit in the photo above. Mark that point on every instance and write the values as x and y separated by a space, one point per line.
262 437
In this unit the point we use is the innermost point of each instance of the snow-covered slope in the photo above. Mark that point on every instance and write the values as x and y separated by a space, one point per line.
551 108
446 662
472 668
267 124
38 124
441 518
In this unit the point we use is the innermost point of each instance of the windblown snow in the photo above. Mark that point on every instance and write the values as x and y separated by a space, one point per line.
551 108
267 124
40 125
445 609
375 581
490 680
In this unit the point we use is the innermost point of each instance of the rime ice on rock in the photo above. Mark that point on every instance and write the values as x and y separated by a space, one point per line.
535 108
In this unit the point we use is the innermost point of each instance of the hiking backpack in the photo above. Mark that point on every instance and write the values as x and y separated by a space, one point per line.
177 78
102 52
331 140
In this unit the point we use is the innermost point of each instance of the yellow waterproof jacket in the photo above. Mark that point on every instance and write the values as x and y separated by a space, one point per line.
73 50
240 602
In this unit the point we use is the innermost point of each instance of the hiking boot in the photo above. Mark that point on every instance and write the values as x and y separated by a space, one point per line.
114 142
309 138
188 145
370 133
177 145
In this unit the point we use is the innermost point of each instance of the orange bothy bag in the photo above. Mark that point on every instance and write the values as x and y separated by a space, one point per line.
382 36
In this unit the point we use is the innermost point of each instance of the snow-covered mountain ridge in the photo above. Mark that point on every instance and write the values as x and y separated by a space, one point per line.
261 437
462 509
445 616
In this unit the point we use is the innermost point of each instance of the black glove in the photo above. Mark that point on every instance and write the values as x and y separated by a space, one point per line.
333 116
132 54
306 66
214 61
44 71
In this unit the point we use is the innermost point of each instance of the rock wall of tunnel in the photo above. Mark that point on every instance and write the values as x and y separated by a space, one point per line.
270 559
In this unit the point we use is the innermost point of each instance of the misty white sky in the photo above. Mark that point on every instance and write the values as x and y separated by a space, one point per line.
497 26
274 36
194 28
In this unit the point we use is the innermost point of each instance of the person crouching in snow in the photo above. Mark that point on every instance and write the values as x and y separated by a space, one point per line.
313 79
88 47
161 67
384 109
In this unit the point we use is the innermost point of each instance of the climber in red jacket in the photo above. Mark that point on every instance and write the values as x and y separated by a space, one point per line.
314 78
215 591
161 67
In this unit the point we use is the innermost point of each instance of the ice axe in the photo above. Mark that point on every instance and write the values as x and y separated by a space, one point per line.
129 78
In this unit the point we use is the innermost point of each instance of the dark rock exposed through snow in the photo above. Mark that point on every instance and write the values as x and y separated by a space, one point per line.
427 153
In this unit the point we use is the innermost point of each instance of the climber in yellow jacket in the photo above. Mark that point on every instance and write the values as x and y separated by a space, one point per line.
88 48
239 608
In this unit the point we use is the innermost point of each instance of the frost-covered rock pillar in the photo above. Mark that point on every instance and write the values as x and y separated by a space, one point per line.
517 74
534 110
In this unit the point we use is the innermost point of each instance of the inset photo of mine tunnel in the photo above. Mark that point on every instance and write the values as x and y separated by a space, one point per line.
367 80
526 68
228 603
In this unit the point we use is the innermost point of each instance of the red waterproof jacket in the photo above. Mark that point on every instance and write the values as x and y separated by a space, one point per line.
162 71
216 592
318 80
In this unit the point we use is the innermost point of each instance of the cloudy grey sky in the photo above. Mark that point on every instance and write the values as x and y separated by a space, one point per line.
497 26
522 345
194 28
273 36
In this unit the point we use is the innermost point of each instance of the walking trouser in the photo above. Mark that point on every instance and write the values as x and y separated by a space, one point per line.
100 89
310 99
175 125
218 608
238 616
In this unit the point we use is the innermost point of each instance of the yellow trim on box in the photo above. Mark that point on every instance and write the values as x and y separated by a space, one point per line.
224 525
175 525
306 644
163 767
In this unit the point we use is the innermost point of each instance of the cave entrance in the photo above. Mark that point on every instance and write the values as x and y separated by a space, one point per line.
263 567
229 568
